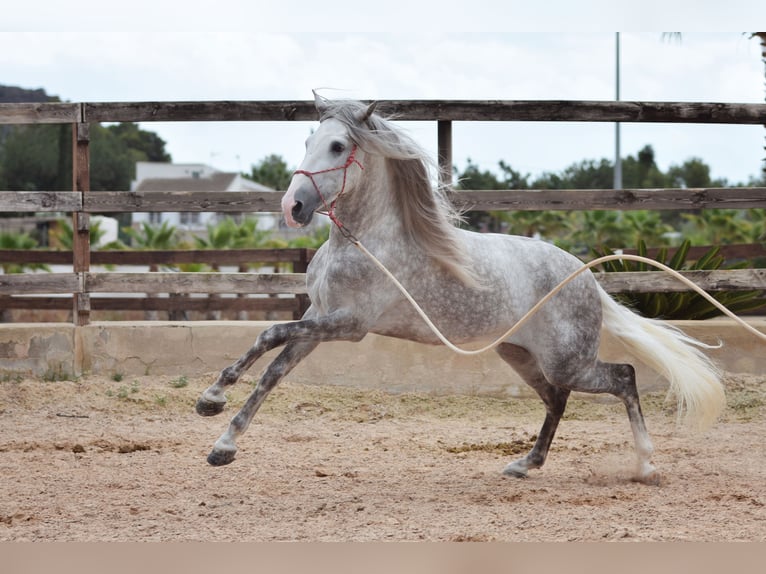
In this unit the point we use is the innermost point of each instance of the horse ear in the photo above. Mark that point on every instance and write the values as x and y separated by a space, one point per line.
320 103
364 116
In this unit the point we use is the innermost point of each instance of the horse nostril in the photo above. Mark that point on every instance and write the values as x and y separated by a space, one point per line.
297 207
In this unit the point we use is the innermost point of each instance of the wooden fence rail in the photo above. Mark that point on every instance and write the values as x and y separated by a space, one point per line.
297 258
406 110
295 283
485 200
81 202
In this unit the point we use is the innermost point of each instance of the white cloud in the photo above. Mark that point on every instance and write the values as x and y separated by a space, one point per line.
340 16
193 65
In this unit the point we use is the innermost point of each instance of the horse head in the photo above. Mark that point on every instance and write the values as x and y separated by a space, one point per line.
328 168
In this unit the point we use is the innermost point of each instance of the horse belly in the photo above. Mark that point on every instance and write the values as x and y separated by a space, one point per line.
462 316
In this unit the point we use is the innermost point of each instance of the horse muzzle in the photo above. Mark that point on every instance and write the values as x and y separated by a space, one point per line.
299 205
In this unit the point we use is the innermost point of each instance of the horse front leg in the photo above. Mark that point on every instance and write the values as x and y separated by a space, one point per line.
300 338
213 399
225 447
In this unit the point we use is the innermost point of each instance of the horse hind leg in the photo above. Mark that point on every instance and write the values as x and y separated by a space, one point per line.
645 471
555 399
620 381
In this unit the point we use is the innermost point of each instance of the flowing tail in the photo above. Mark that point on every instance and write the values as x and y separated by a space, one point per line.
694 379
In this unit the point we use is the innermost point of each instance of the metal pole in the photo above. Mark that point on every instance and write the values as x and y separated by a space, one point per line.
617 160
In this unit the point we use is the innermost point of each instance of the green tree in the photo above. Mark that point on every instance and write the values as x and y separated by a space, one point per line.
271 171
474 178
115 149
693 173
724 226
112 163
641 171
38 157
587 174
579 231
148 145
29 159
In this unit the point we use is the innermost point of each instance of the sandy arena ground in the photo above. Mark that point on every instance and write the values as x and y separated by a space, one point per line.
124 460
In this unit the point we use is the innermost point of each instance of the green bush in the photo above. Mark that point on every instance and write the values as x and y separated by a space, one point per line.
686 304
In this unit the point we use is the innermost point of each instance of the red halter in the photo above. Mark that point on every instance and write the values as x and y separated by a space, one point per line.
331 208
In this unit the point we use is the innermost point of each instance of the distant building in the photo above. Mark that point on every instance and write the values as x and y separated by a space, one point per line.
154 176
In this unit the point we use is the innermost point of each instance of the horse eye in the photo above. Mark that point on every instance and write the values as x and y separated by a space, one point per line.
337 147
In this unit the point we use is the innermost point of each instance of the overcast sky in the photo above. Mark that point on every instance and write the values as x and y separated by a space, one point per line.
483 49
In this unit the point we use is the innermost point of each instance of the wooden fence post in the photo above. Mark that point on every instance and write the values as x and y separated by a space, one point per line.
81 219
301 265
444 136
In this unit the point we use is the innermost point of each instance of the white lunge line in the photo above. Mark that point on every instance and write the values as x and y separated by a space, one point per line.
547 297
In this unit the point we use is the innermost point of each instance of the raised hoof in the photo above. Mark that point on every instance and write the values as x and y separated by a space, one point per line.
221 457
209 408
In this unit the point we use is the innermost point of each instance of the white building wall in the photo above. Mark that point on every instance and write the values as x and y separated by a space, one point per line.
195 222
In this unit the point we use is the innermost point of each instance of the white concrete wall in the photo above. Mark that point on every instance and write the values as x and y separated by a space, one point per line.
201 347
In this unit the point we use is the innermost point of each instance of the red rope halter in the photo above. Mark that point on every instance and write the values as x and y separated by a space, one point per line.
330 209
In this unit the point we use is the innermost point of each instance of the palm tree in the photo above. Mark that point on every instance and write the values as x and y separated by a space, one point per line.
19 241
150 237
64 235
16 241
227 234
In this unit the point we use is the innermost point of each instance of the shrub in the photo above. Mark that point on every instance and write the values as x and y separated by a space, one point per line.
686 304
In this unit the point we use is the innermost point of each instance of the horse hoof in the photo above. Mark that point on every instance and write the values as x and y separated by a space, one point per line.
209 408
221 457
652 478
515 471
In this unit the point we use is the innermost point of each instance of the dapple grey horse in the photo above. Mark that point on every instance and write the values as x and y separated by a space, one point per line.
377 186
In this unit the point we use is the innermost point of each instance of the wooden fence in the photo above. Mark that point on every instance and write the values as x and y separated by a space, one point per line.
81 202
248 301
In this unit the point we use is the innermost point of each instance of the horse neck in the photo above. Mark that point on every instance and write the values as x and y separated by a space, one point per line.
369 210
377 214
